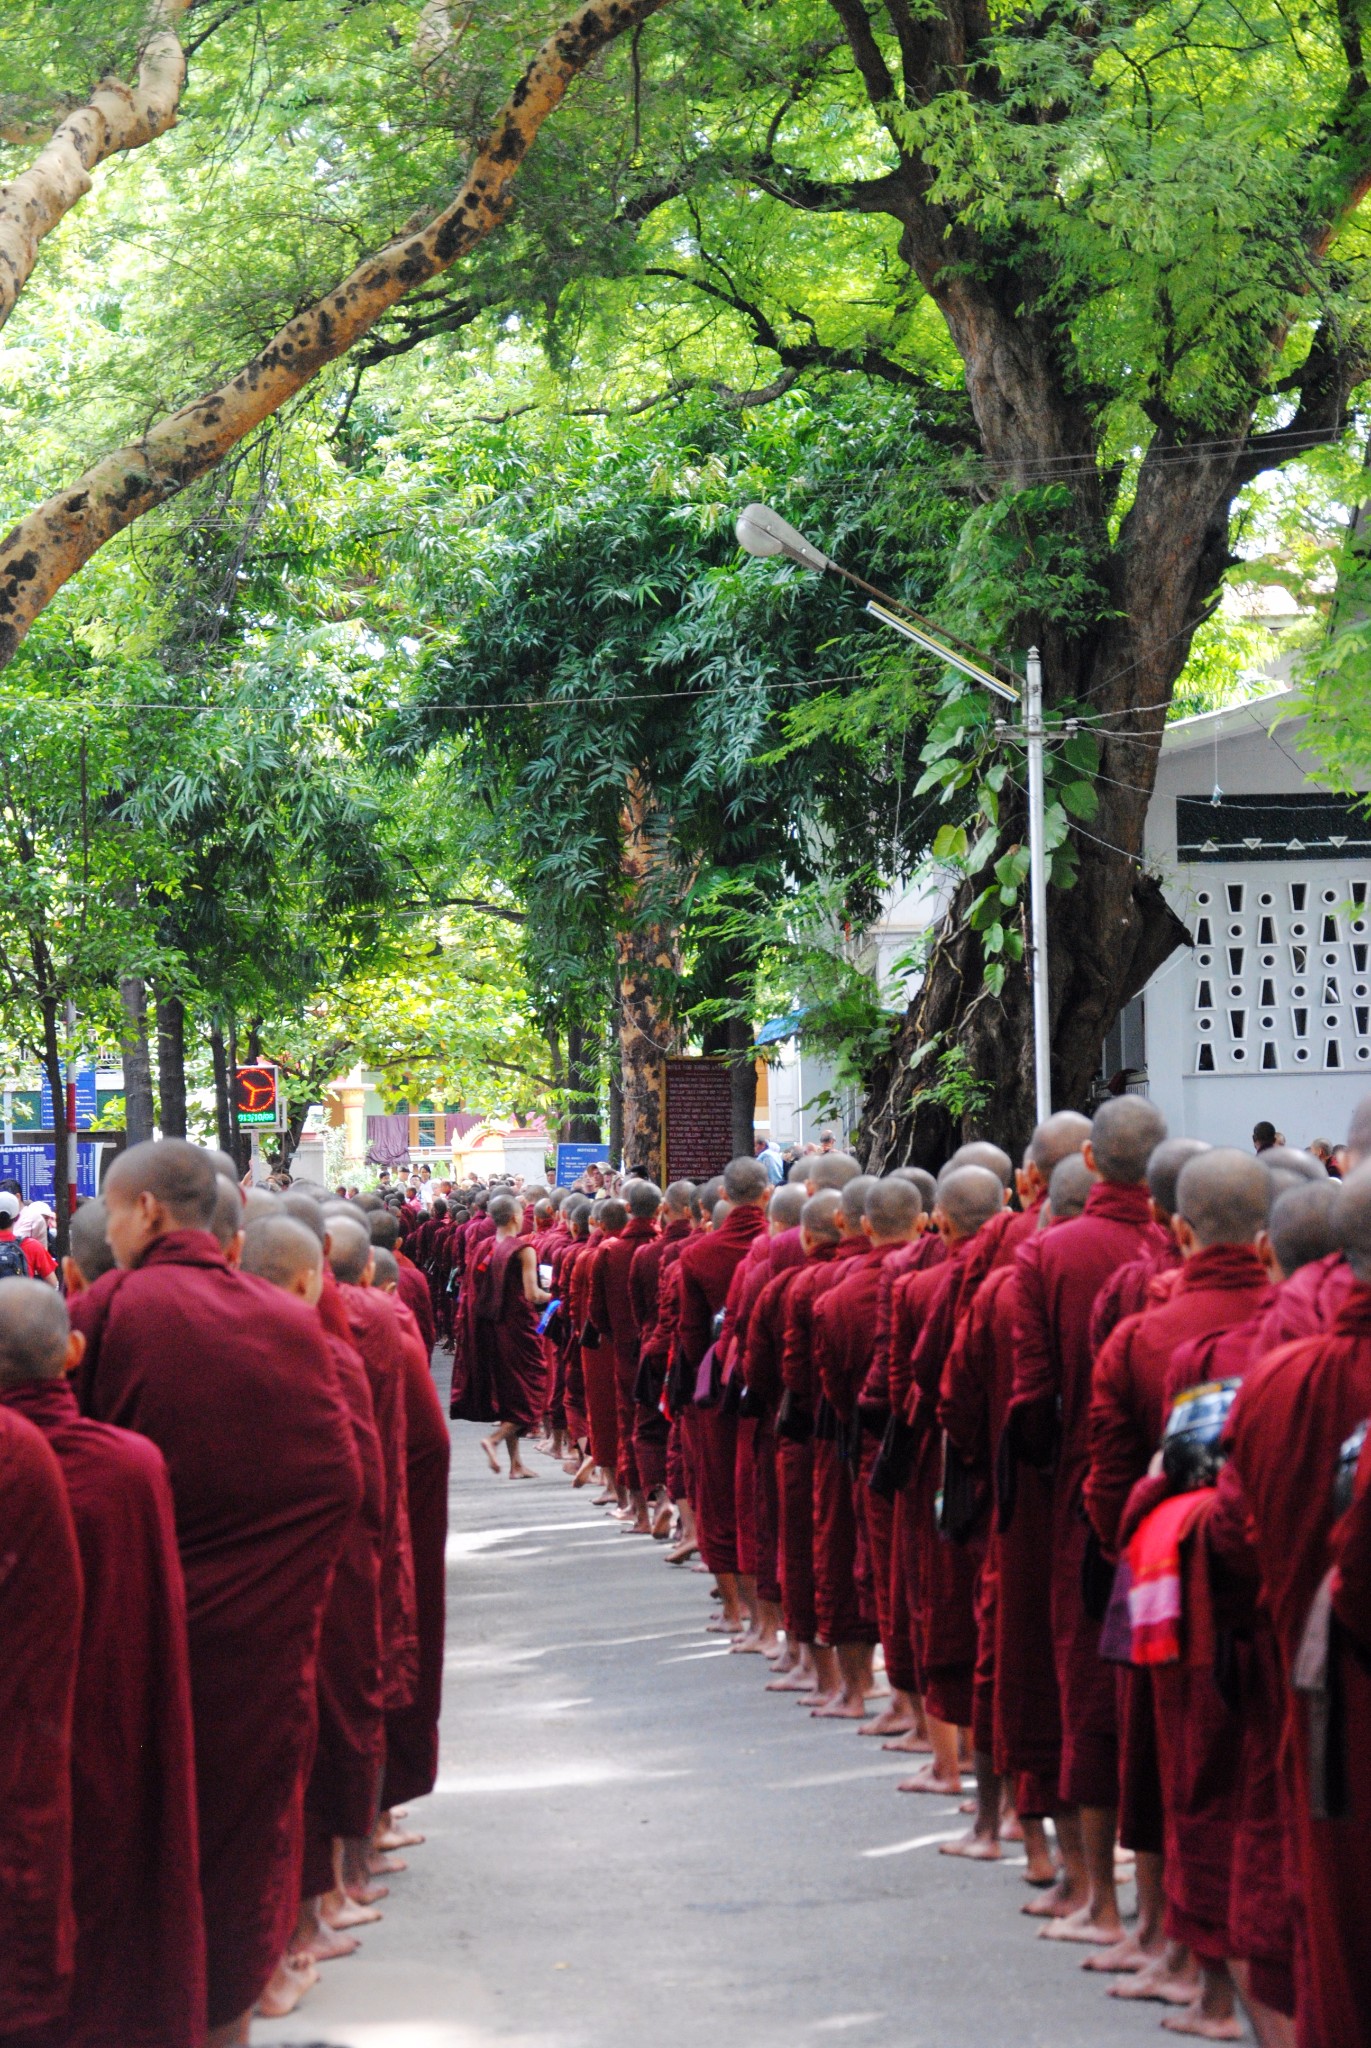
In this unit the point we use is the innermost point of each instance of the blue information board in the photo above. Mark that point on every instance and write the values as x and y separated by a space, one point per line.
572 1161
34 1167
86 1106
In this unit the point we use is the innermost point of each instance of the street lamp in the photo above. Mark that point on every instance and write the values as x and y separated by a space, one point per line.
764 533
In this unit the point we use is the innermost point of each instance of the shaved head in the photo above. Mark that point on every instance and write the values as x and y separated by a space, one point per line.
829 1169
613 1215
33 1332
252 1203
1069 1186
643 1199
1224 1195
783 1210
303 1209
923 1180
819 1217
279 1249
349 1249
893 1207
385 1228
1351 1216
502 1209
1164 1169
89 1247
1301 1225
226 1219
746 1180
979 1153
385 1271
1126 1131
853 1199
678 1197
1290 1168
1055 1139
969 1196
222 1162
178 1176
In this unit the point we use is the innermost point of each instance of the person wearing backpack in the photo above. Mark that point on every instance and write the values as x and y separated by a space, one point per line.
22 1258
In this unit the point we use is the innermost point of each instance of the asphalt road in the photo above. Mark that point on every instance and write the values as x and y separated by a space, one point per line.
631 1842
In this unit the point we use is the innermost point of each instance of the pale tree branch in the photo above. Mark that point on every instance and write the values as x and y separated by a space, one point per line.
57 539
116 117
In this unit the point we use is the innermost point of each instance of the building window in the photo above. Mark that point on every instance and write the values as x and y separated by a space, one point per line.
1235 892
1203 934
1332 1053
1205 1063
1299 1020
1330 931
1266 931
1267 998
1237 1024
1236 955
1269 1060
1204 999
1299 892
1330 990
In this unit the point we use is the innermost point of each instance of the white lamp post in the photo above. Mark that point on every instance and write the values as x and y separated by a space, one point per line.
763 532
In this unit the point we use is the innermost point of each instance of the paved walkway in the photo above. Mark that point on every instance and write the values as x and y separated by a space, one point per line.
632 1843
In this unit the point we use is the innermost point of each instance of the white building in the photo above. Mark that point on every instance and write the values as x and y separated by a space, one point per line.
1268 1015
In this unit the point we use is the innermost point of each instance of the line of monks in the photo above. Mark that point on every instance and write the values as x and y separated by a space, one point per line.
1078 1445
223 1515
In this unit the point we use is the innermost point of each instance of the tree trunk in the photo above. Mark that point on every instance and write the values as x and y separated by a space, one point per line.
61 1179
171 1063
223 1095
648 956
139 1115
582 1123
743 1079
616 1121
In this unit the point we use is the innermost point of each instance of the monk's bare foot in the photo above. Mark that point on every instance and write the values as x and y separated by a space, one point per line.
725 1625
748 1644
519 1471
585 1472
1168 1981
976 1848
385 1866
1011 1828
1205 2026
797 1679
912 1744
840 1710
494 1463
682 1552
571 1466
1084 1927
661 1521
1121 1957
363 1893
930 1779
337 1910
891 1722
285 1987
606 1499
392 1838
1040 1871
641 1525
326 1947
1063 1899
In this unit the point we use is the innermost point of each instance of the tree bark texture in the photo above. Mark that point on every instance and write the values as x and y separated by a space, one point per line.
649 968
139 1115
171 1063
57 539
117 117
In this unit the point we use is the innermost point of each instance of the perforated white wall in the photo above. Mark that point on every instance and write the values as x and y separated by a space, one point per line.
1281 982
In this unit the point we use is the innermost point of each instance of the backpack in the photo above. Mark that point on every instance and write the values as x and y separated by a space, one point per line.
13 1264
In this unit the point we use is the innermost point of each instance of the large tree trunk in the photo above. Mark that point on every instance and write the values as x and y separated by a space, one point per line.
743 1079
223 1093
61 1177
648 957
139 1116
171 1063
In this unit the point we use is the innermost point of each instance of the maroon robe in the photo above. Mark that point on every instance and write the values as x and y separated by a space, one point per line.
140 1944
1308 1302
1129 1291
231 1379
1061 1271
1352 1547
341 1796
507 1323
1292 1414
598 1378
40 1624
374 1328
613 1311
411 1731
413 1290
705 1272
650 1427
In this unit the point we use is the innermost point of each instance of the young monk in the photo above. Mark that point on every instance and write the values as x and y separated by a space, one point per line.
1221 1200
140 1945
941 1575
212 1365
507 1320
775 1251
706 1268
1293 1413
1061 1272
40 1625
651 1429
607 1218
345 1780
612 1309
1145 1279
